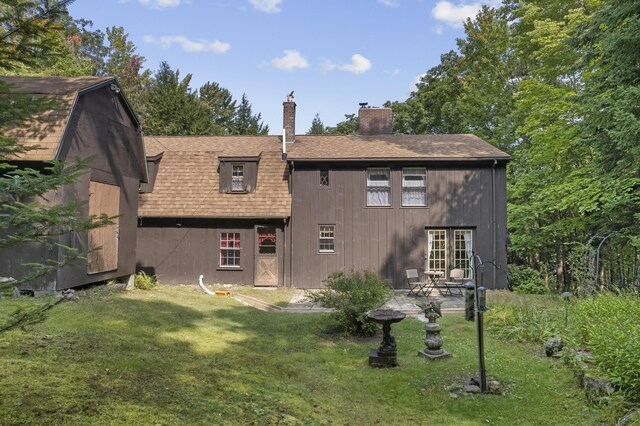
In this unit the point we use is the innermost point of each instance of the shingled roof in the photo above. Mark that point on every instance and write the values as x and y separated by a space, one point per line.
46 129
396 147
187 184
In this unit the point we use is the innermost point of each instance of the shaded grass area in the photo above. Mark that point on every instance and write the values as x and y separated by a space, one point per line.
176 356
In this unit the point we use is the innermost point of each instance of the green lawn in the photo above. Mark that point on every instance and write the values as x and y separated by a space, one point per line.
175 356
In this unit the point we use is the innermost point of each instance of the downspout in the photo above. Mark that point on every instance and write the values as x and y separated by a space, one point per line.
291 170
493 221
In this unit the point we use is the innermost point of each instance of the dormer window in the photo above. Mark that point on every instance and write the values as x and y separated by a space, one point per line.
237 177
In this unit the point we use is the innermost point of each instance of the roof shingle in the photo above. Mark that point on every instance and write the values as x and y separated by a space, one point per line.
188 184
45 130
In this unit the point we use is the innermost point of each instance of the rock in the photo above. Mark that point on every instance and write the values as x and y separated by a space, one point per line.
553 345
471 389
68 294
16 292
596 388
453 395
631 418
494 386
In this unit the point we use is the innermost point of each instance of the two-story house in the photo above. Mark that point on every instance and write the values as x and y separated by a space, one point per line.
291 210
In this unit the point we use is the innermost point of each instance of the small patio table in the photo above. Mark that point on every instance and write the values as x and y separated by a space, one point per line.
433 279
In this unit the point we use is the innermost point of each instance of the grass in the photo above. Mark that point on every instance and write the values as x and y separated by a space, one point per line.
174 356
279 296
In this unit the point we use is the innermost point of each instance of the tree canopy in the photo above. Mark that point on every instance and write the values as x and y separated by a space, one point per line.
557 85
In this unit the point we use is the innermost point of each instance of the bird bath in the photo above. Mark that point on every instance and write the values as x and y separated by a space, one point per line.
385 355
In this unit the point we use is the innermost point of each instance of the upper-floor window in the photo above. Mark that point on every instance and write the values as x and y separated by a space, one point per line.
324 177
378 187
237 177
414 187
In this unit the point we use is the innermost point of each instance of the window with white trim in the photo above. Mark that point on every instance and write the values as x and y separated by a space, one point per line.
414 187
462 251
326 240
237 177
450 249
437 251
230 249
378 187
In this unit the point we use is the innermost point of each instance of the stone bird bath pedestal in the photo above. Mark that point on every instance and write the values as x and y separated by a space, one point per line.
385 355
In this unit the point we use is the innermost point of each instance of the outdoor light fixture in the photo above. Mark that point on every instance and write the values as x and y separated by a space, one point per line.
114 87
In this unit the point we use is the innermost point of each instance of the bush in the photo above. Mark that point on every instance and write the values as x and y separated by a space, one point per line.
142 281
526 280
352 295
607 324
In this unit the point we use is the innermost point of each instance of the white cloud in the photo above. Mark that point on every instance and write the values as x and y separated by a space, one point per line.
291 60
358 65
161 4
389 3
454 15
267 6
190 46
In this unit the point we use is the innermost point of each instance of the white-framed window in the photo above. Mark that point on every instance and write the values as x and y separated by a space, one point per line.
230 249
326 238
462 251
237 177
437 250
450 249
378 187
414 187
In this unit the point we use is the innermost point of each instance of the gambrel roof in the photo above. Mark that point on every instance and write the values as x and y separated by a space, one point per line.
188 180
46 129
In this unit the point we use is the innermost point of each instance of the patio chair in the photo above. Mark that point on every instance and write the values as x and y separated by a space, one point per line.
455 282
415 285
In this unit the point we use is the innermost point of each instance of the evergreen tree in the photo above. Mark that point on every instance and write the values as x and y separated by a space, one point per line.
245 122
172 108
317 127
221 106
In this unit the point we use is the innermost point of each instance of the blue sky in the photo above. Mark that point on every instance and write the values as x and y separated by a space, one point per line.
333 53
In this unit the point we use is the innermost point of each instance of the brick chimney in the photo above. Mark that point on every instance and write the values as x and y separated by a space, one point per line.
289 118
375 121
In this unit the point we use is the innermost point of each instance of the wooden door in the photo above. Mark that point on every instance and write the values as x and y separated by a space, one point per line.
266 256
103 242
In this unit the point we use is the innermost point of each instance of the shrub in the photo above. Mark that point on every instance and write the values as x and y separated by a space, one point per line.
352 295
608 325
142 281
526 280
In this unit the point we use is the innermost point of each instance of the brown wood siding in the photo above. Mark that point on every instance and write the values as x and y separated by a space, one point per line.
101 128
103 242
179 250
388 240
